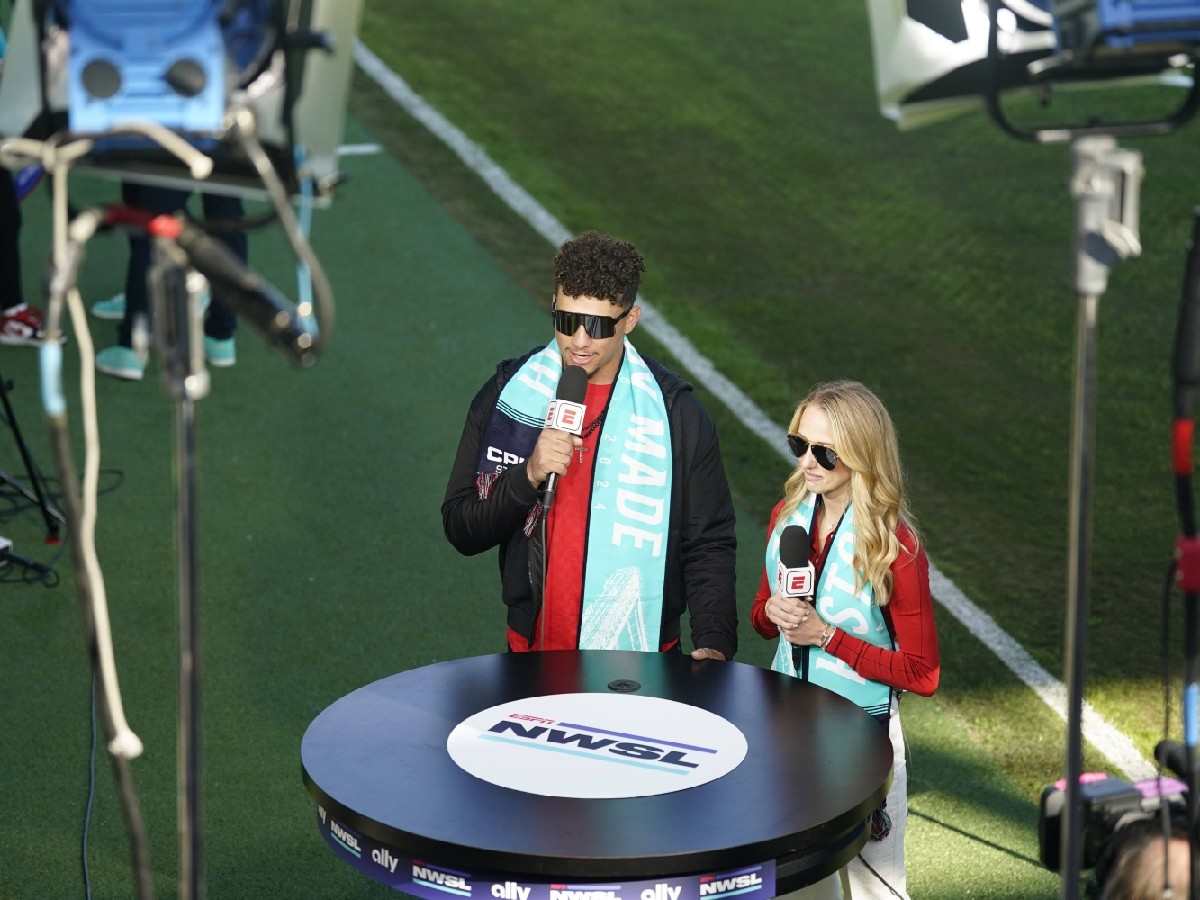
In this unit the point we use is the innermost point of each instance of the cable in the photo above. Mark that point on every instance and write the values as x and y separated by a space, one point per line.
303 273
882 880
245 129
91 794
131 809
31 572
124 741
541 635
1164 655
18 503
1164 649
68 242
53 490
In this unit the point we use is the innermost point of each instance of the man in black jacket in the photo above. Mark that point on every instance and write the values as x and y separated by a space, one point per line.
642 525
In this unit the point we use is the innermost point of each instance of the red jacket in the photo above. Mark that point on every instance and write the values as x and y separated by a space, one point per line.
916 665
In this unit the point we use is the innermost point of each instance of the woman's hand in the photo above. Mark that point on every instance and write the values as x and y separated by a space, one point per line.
797 620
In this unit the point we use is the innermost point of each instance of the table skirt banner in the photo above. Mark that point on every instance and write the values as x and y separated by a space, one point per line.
422 878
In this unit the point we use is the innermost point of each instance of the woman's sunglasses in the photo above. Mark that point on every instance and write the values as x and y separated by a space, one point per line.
596 326
826 457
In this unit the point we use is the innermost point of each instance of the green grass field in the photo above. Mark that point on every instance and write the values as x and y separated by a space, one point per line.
792 234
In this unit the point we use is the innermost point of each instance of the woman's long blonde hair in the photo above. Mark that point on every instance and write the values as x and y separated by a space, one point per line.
865 440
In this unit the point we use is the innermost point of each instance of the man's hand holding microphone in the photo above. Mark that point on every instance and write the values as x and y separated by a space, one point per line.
551 455
561 435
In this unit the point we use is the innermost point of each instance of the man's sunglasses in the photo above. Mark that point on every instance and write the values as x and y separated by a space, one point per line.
596 326
826 457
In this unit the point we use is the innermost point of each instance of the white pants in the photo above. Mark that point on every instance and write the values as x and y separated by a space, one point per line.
855 881
887 856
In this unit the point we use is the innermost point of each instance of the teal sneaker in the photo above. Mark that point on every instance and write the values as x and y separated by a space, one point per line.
112 308
120 362
219 352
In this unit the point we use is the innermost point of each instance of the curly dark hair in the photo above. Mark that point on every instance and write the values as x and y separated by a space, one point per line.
599 265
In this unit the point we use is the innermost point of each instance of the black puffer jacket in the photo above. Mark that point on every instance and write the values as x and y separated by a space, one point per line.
701 547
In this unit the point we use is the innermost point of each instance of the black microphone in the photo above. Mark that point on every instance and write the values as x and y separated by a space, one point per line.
795 578
249 294
566 414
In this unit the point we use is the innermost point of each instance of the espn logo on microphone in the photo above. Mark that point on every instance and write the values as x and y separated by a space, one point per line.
797 582
566 416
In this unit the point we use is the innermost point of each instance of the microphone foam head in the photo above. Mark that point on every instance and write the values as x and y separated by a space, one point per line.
572 384
794 546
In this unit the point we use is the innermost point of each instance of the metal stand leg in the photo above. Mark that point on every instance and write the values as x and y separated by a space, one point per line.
179 335
1105 184
1083 432
191 842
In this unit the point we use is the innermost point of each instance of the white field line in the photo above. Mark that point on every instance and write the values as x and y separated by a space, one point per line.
1118 748
358 149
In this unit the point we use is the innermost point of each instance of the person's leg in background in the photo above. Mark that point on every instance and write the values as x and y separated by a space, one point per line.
114 307
121 360
219 321
20 323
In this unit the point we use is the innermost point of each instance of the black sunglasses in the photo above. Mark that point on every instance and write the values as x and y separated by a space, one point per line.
596 326
826 457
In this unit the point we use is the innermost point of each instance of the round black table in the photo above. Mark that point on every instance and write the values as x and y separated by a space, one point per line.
389 796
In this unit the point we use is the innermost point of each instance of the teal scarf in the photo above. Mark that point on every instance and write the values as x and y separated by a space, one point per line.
626 553
839 604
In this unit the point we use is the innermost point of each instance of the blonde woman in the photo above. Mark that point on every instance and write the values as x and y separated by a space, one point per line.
870 634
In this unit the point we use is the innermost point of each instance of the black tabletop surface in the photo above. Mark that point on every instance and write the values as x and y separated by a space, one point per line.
816 766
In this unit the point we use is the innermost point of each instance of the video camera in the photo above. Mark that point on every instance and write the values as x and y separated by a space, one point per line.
95 68
1109 805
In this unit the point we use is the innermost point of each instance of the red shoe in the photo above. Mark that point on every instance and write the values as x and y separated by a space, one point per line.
21 325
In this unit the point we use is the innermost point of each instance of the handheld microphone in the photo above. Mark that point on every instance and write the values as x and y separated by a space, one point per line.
795 575
566 413
250 295
794 578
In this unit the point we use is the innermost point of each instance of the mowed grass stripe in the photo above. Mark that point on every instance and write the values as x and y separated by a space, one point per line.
1117 747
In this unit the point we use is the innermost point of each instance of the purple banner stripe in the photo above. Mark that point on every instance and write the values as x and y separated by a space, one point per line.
638 737
387 866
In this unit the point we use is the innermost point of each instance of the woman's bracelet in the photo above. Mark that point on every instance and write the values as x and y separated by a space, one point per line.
827 636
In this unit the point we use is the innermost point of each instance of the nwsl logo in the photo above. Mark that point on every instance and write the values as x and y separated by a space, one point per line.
565 416
439 878
727 885
586 740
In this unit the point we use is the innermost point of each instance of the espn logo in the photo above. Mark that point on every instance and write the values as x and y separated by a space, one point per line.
797 582
565 416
